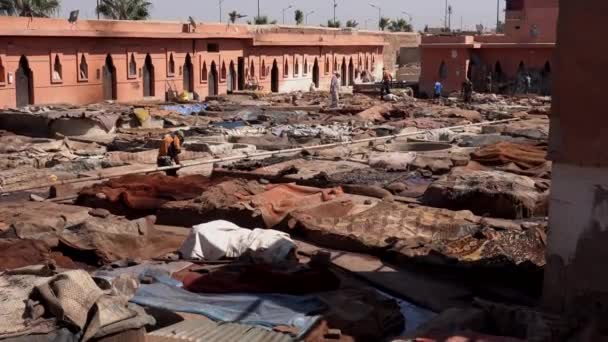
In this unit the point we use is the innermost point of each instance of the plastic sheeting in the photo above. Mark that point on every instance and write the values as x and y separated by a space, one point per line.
263 310
218 239
187 109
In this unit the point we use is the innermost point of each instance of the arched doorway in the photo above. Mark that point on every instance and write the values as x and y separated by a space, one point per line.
443 71
188 75
546 79
344 75
274 77
24 83
109 79
213 80
315 73
351 72
231 80
148 77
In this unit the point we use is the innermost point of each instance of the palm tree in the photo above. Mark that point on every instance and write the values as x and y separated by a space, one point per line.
384 23
125 9
234 16
400 25
299 17
261 20
352 23
29 8
335 24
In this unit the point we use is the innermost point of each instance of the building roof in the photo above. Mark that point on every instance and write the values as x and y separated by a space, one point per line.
259 34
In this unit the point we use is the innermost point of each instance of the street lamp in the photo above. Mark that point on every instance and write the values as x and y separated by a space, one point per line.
285 9
335 5
306 17
379 14
220 2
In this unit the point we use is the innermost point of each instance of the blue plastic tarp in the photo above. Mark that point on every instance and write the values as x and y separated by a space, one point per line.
266 310
187 109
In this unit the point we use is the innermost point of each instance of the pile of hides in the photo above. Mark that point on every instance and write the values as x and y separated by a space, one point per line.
262 278
279 200
69 304
222 239
79 230
146 192
421 233
494 193
523 159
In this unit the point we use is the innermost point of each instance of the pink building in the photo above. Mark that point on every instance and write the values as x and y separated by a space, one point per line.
500 62
45 61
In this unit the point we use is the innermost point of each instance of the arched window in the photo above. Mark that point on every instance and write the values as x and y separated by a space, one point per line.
57 70
326 65
223 72
252 70
443 71
171 65
83 69
204 72
263 70
335 64
296 68
286 69
132 66
305 67
2 72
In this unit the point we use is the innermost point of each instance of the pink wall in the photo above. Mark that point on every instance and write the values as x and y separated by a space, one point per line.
40 46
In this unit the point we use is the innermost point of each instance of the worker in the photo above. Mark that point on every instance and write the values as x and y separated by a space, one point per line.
387 78
528 83
335 89
467 90
169 151
489 83
438 89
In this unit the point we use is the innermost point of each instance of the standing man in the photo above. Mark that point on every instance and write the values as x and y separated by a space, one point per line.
489 82
528 83
387 78
438 89
334 89
467 90
169 151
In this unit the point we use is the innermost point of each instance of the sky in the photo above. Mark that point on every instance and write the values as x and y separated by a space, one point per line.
425 12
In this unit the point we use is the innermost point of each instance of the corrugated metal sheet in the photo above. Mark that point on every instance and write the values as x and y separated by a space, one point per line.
208 331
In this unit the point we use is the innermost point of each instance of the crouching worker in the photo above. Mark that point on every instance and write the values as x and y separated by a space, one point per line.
169 151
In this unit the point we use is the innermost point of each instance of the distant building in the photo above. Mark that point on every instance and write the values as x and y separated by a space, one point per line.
45 61
525 48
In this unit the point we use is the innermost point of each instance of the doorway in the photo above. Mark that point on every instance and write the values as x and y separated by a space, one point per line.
274 77
231 81
213 80
351 72
24 83
109 79
546 79
315 73
241 72
344 75
148 77
188 75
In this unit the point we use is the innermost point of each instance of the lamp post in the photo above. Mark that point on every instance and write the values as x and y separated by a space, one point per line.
285 9
379 14
258 8
220 2
306 17
335 5
97 9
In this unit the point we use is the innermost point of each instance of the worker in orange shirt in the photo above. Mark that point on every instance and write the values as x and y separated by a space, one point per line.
169 151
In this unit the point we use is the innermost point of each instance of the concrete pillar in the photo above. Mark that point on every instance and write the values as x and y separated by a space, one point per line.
576 276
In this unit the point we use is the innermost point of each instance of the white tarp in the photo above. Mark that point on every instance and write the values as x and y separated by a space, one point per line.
218 239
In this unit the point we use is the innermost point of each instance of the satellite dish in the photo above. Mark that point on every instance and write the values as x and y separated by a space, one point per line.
192 22
73 17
